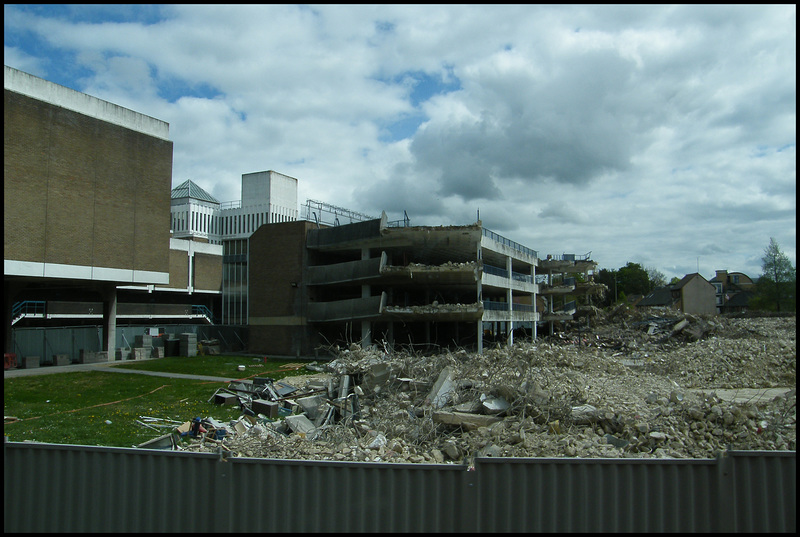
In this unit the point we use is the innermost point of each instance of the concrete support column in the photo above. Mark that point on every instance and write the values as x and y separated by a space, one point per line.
510 300
366 291
533 302
190 275
479 299
110 320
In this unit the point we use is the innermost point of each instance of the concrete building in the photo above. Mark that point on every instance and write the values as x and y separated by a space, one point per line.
372 282
86 198
733 291
692 294
268 197
562 279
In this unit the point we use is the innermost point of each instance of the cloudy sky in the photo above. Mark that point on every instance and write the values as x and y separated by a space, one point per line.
661 135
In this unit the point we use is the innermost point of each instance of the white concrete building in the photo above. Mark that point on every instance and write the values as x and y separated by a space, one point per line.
267 197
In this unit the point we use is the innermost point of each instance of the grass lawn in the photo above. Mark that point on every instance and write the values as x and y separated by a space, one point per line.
74 407
217 366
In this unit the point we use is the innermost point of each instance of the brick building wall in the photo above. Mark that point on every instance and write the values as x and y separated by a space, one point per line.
82 191
277 291
207 272
178 269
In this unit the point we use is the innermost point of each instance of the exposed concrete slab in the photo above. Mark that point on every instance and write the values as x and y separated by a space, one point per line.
469 422
745 395
313 406
300 424
442 389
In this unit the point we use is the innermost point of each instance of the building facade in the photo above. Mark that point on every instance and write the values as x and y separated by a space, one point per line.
733 291
371 282
692 294
268 197
86 197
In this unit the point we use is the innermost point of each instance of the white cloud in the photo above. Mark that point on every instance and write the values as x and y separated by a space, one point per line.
653 134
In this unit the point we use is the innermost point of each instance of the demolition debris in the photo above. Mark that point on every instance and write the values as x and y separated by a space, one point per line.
622 385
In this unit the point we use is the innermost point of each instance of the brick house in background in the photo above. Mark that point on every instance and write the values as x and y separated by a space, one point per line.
733 291
693 294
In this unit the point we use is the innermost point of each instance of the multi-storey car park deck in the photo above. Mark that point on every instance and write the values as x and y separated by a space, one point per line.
416 285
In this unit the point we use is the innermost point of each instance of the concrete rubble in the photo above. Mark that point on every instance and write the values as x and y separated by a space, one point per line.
623 384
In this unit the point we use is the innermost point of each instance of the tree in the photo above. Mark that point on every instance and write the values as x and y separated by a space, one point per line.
633 279
777 284
606 277
657 279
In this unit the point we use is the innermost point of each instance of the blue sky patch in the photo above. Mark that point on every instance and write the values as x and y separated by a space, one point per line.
422 86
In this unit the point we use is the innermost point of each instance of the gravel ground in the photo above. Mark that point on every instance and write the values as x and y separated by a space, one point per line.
618 385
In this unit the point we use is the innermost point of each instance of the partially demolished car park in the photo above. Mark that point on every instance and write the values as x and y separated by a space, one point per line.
622 385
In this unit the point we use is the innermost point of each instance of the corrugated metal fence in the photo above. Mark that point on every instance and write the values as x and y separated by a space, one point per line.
65 488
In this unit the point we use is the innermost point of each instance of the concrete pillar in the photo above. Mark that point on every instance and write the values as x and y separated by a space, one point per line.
110 320
366 291
190 267
510 300
479 299
533 302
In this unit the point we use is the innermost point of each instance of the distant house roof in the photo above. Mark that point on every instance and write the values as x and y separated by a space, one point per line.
658 297
686 279
188 189
728 275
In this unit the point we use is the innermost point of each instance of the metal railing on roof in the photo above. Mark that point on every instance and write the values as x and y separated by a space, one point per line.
571 257
508 242
320 212
405 222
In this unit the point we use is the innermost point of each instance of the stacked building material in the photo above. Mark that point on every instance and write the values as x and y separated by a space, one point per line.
188 345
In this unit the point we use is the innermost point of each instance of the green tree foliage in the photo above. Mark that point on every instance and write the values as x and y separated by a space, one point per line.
632 279
776 287
606 277
657 278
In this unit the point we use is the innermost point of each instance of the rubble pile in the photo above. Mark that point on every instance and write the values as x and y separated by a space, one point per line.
631 385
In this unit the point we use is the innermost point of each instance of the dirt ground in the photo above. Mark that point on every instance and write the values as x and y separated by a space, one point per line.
619 384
